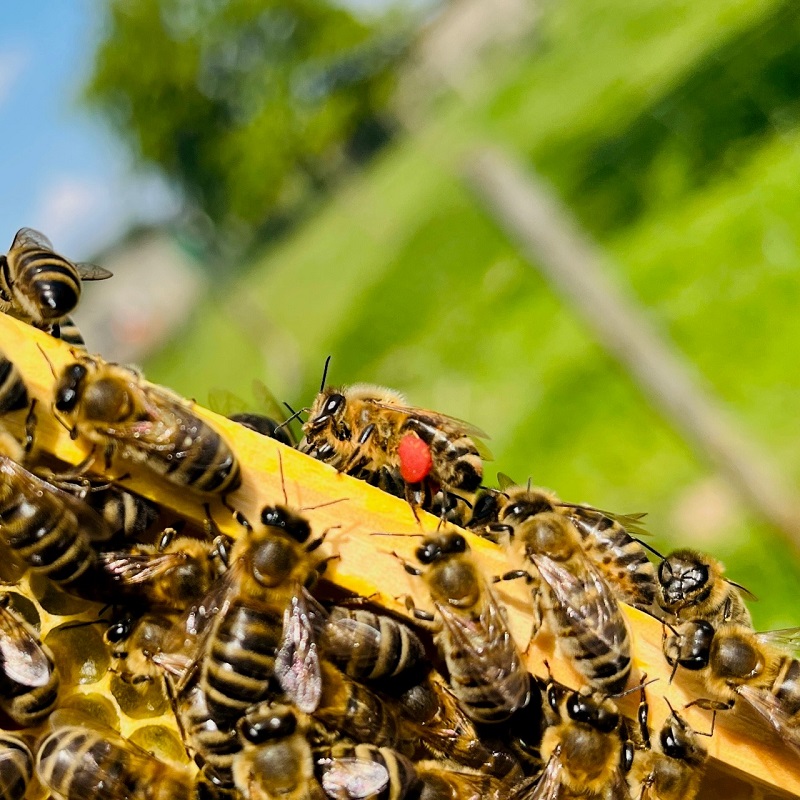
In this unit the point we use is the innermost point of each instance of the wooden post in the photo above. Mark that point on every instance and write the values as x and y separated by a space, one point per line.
572 263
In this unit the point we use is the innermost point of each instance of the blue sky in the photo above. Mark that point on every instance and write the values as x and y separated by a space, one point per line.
62 171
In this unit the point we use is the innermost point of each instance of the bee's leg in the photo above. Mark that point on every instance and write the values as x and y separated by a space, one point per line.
643 715
627 750
514 575
422 616
713 706
108 454
79 470
167 536
356 461
323 565
412 502
30 428
357 601
172 695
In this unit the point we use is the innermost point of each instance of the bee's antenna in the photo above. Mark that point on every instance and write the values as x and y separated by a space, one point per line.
49 362
283 479
295 415
325 373
323 505
412 535
639 686
648 547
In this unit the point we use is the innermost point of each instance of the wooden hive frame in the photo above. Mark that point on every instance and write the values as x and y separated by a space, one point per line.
746 759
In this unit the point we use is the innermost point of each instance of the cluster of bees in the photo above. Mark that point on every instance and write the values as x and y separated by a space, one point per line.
280 692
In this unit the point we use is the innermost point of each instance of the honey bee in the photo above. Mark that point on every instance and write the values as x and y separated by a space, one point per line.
606 538
16 767
370 646
112 407
264 628
276 759
486 670
29 679
133 643
355 710
46 527
693 586
127 515
39 286
80 761
577 602
430 714
583 750
171 575
362 428
216 745
736 662
672 768
13 393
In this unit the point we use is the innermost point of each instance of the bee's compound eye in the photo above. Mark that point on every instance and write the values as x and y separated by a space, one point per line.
69 387
273 516
119 631
696 577
457 544
671 742
428 553
333 404
577 708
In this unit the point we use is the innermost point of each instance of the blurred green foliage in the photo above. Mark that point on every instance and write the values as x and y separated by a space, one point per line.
406 281
244 104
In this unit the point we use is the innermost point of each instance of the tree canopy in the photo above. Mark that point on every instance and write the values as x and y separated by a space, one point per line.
241 103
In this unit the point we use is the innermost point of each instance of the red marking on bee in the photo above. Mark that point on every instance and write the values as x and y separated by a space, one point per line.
415 459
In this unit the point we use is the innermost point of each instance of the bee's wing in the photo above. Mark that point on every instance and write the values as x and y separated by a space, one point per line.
223 402
91 523
91 272
491 652
185 644
587 600
22 657
297 663
166 413
435 418
267 402
354 778
773 711
28 237
137 568
631 522
549 785
787 639
505 481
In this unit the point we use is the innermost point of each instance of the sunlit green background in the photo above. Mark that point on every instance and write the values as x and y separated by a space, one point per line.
670 129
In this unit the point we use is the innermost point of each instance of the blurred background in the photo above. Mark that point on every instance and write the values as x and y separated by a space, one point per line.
274 181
